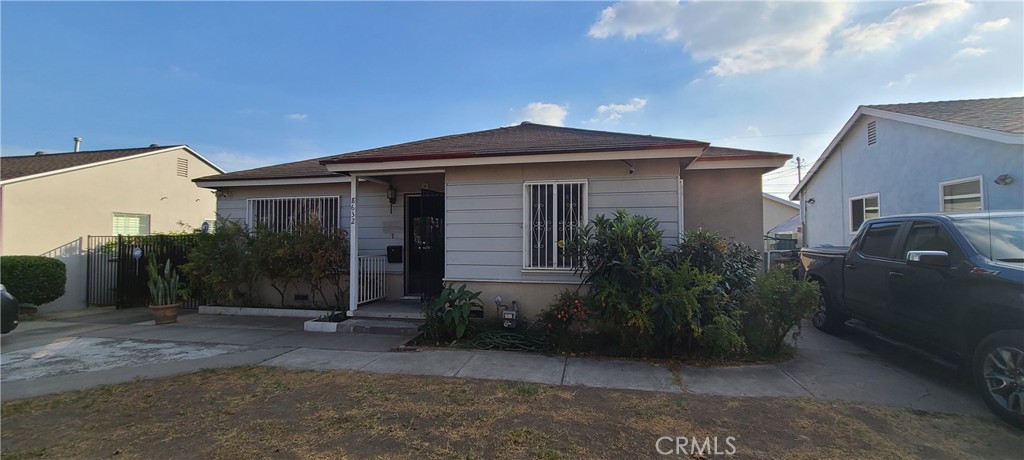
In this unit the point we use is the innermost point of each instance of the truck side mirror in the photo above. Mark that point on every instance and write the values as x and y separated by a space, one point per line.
937 259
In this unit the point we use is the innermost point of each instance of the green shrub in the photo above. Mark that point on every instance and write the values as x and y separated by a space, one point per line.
736 263
35 280
220 264
322 258
722 339
635 290
276 259
776 304
448 315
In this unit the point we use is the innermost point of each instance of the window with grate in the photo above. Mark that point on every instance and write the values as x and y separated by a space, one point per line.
131 224
862 208
183 167
872 133
283 214
553 214
962 195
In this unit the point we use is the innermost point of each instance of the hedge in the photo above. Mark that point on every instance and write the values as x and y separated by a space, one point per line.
33 280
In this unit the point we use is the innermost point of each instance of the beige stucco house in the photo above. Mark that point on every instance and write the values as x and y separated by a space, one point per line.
488 208
50 203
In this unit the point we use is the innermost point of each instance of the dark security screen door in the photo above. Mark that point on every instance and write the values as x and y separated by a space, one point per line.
425 239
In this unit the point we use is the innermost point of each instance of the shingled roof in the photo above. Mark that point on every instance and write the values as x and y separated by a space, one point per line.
523 139
1003 114
27 165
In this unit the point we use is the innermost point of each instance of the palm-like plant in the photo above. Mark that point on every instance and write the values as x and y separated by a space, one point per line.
164 285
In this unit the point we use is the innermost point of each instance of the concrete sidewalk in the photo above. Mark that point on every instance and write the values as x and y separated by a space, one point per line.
74 352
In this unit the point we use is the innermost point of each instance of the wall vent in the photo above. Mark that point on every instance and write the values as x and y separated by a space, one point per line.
872 134
183 167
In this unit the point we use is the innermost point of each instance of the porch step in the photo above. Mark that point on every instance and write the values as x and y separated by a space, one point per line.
411 299
379 326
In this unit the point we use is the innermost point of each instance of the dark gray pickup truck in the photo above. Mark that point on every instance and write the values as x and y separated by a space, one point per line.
950 284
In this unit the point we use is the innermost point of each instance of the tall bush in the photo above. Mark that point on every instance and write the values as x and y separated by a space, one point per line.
775 305
275 258
635 290
35 280
220 264
322 258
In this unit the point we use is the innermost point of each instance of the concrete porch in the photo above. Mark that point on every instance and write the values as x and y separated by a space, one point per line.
389 309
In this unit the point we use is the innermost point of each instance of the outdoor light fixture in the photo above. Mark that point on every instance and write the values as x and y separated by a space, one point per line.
810 201
392 196
1004 179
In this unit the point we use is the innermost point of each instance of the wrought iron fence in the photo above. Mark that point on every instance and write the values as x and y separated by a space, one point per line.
117 267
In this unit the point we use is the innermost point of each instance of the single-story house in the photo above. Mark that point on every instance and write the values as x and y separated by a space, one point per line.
51 202
488 208
777 210
944 156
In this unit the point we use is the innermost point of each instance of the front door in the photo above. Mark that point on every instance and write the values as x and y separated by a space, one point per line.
424 236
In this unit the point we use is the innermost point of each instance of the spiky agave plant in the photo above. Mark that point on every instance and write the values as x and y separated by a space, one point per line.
164 286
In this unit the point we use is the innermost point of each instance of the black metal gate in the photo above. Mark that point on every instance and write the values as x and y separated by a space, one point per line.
117 267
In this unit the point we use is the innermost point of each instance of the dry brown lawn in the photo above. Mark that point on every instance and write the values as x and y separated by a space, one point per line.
264 412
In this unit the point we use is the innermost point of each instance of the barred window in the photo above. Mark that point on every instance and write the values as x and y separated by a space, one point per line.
553 214
283 214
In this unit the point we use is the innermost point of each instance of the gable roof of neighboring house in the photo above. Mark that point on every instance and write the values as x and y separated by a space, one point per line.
526 139
781 201
27 167
999 119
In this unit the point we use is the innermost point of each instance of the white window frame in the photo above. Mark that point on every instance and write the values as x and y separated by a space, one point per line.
849 209
584 218
251 201
981 192
148 219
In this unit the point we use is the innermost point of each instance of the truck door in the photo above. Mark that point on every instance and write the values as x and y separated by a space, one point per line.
866 272
924 297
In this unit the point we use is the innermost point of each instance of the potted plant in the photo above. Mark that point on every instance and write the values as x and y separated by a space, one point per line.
165 292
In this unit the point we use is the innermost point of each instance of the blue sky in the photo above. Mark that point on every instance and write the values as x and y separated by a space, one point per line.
253 84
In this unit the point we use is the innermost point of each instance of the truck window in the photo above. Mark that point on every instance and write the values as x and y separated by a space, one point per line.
878 239
929 236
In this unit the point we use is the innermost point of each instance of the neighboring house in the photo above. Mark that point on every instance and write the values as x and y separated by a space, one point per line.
489 208
50 202
906 158
777 210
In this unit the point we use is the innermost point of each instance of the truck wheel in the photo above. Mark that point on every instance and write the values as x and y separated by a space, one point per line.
826 318
998 369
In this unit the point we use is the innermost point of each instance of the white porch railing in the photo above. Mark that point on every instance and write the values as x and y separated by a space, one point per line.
371 278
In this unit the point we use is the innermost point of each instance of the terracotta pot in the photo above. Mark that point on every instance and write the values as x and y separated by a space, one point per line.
165 314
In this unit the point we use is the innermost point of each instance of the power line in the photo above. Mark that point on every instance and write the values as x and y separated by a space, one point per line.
770 135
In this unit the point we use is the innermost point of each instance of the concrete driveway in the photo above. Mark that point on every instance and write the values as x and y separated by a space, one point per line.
68 353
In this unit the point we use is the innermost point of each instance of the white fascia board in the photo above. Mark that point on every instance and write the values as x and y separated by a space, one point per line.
780 200
203 159
484 160
771 163
106 162
258 182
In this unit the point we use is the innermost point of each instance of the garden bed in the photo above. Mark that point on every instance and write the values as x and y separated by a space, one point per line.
325 323
261 311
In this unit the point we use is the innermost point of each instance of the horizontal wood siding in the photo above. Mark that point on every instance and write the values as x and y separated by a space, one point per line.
484 222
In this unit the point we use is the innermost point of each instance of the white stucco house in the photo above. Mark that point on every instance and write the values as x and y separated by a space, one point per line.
944 156
50 203
488 208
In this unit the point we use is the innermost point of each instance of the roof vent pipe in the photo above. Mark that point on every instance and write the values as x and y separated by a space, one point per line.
78 143
40 153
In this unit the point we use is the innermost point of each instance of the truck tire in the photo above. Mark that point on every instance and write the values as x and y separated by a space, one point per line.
827 319
998 371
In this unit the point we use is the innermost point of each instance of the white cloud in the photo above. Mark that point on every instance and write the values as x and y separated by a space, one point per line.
613 112
907 78
992 25
740 37
297 116
754 131
972 52
916 21
231 161
543 113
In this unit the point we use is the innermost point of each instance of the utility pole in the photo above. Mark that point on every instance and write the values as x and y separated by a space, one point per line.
798 165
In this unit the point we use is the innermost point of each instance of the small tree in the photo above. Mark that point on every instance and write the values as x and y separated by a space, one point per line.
776 304
220 264
276 258
323 255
